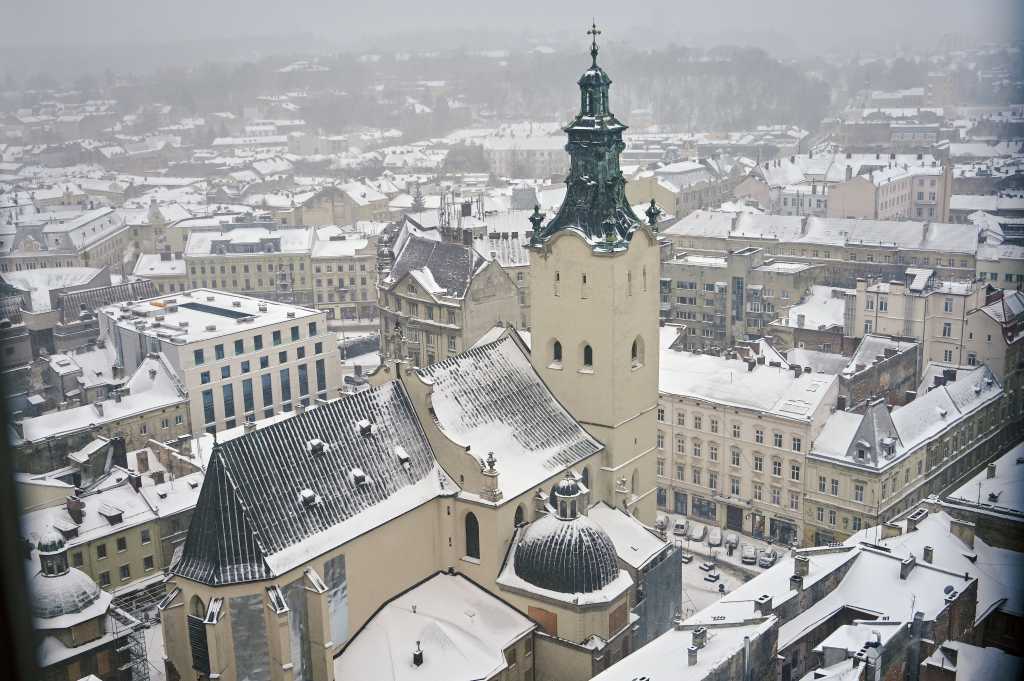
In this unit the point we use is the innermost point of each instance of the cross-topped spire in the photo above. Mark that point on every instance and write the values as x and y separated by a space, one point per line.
593 33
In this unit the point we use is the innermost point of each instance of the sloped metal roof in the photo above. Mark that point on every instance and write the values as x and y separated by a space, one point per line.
251 521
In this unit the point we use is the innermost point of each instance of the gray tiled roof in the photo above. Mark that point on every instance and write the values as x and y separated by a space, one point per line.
452 265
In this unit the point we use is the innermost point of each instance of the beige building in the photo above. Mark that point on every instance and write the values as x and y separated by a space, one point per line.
733 435
438 298
237 358
721 299
845 248
865 469
93 238
904 192
151 404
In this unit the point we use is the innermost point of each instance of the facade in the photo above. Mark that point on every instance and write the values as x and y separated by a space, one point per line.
530 156
438 298
151 404
122 531
93 238
845 248
908 192
865 469
722 299
732 438
237 358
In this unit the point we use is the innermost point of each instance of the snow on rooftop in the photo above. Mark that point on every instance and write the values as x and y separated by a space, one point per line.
730 381
635 544
462 630
1000 485
974 662
40 282
823 306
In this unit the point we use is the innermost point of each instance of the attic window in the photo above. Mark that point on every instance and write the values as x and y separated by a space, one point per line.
941 412
365 427
316 447
358 477
860 454
113 514
403 457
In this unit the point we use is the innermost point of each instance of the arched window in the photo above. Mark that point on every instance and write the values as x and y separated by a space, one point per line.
644 280
585 477
636 353
558 279
556 352
588 356
520 515
629 283
634 484
472 537
196 607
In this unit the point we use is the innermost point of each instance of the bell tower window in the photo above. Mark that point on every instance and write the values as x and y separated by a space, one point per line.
588 357
472 537
556 352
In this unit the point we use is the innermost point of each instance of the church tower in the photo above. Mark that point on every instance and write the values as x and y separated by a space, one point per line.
594 271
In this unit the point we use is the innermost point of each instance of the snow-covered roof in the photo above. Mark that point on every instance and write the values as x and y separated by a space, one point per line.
246 240
441 268
823 307
490 399
258 525
463 631
773 390
635 544
153 386
870 347
41 281
153 265
1000 486
201 314
973 662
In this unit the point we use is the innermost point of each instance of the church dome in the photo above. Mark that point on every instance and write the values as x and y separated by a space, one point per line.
50 542
65 594
595 76
567 556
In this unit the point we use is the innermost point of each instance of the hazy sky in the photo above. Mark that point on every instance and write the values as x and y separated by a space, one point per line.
39 23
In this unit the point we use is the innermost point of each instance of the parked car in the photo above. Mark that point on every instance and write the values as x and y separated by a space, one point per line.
715 536
748 555
731 539
697 532
679 529
767 558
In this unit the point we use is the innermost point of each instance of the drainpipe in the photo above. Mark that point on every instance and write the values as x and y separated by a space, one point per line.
746 658
914 650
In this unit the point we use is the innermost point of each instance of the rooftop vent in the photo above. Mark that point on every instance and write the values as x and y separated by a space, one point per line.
308 498
211 327
316 447
113 514
210 299
236 303
262 307
417 655
403 457
291 314
193 484
365 427
358 477
183 323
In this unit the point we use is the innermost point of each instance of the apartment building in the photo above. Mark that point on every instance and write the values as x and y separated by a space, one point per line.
907 192
438 298
331 268
238 358
845 248
91 238
526 156
122 532
865 469
733 434
734 296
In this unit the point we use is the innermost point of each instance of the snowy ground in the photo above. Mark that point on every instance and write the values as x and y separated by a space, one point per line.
697 593
155 652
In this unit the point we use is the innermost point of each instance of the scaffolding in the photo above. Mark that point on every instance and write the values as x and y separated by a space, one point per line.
130 646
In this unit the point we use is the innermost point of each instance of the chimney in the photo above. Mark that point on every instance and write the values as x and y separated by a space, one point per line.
99 408
990 470
962 530
691 656
417 655
949 375
158 477
929 554
907 565
909 396
135 480
914 518
76 509
763 604
700 637
841 403
801 565
796 582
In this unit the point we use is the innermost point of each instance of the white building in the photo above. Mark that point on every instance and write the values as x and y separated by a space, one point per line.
239 358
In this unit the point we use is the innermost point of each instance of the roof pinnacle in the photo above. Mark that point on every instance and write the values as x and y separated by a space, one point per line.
593 33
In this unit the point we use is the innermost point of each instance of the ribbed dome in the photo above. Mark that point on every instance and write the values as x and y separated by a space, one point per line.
65 594
568 556
594 77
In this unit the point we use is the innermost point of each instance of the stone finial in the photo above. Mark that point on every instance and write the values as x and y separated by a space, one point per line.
537 218
652 213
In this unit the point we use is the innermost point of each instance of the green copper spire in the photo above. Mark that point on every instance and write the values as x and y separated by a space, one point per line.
595 201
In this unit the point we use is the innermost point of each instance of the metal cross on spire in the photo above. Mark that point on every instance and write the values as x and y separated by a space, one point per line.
593 33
